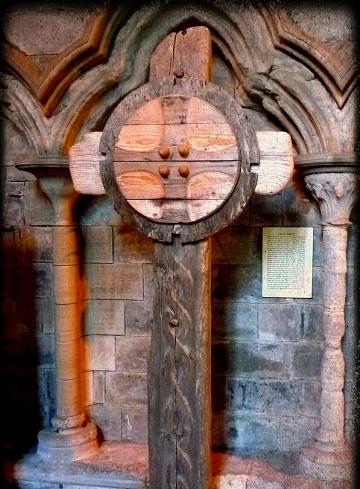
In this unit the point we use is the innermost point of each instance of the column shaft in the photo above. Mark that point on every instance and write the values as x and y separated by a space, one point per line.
330 457
71 436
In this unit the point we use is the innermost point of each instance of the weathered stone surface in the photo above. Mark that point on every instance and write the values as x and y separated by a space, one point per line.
97 244
124 388
266 210
38 210
99 387
281 322
104 317
138 317
352 289
49 384
351 395
311 326
229 481
350 343
45 344
35 244
312 394
120 281
235 283
299 208
131 247
15 146
251 358
99 352
307 361
279 398
97 211
46 306
68 25
336 24
317 248
254 482
245 432
352 249
108 420
93 387
236 245
149 285
134 423
131 354
13 206
291 433
234 320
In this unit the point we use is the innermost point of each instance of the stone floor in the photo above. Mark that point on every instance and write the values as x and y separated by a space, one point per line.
125 466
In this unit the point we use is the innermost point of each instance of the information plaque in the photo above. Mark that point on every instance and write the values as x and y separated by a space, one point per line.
287 257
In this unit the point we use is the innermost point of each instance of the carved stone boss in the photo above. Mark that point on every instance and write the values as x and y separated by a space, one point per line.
176 159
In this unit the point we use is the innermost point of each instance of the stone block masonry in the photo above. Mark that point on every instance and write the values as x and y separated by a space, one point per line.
266 352
271 390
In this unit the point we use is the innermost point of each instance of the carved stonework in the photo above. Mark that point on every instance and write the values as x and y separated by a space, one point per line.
44 73
334 186
104 52
332 62
335 193
71 435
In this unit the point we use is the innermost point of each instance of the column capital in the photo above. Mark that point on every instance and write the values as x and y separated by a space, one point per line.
336 194
333 181
54 178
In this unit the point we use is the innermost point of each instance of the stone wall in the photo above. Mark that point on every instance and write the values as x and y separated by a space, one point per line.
266 351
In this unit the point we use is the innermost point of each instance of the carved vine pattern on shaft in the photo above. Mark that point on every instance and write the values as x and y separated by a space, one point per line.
176 368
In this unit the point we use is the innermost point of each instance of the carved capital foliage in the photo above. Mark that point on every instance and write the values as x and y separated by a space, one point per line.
336 194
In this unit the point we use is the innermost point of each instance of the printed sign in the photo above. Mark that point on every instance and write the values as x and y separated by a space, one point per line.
287 256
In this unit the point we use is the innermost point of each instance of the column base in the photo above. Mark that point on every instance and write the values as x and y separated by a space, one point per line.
327 463
67 445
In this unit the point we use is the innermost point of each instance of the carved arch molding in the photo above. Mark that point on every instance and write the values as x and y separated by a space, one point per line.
306 85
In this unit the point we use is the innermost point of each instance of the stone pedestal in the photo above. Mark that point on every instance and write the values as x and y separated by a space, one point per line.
330 457
71 435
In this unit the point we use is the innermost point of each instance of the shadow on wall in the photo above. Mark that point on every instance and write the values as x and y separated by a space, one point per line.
352 337
23 349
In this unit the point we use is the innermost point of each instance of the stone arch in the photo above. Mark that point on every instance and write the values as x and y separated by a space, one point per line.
286 96
283 94
333 65
24 111
128 65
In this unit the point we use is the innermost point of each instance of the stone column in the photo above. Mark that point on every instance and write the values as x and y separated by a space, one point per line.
330 457
71 435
